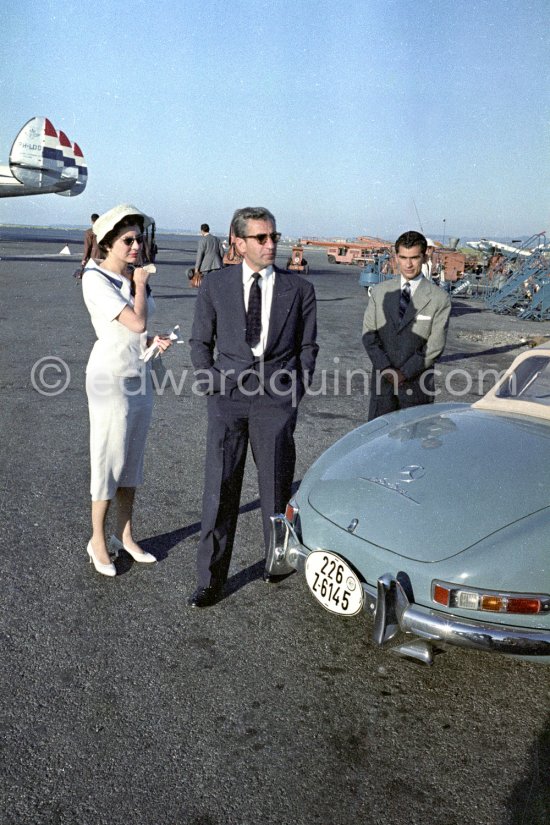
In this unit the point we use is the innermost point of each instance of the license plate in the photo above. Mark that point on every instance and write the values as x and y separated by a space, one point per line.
333 583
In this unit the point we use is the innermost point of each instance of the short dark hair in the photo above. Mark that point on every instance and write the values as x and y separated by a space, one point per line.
249 213
94 217
129 220
410 239
205 227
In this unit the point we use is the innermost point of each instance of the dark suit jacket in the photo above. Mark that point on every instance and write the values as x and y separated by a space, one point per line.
218 346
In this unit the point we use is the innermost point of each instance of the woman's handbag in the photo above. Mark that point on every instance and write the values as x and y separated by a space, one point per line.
196 280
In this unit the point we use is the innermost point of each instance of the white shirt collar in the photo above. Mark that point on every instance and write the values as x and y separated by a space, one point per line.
414 282
248 272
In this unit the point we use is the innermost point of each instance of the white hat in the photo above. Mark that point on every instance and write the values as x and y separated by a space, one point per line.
103 225
429 241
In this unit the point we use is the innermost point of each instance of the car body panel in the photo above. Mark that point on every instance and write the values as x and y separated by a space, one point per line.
404 470
451 493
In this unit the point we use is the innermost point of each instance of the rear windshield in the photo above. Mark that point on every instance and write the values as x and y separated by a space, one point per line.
530 381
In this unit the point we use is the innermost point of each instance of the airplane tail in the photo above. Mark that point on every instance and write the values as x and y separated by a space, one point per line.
42 161
75 166
36 159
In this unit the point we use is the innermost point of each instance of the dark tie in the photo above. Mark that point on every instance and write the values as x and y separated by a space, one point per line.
254 312
404 300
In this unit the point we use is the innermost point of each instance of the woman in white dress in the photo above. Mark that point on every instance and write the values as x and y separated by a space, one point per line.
118 383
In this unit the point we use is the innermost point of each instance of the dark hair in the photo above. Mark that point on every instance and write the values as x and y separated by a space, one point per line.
128 220
94 217
249 213
410 239
205 227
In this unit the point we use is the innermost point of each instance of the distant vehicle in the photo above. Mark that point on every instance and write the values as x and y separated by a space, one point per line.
436 521
43 161
375 270
360 251
453 263
356 253
296 262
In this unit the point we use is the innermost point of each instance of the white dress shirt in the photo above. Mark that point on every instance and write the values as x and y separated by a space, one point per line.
266 283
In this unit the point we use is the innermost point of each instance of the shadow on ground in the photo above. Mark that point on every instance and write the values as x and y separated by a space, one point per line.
530 799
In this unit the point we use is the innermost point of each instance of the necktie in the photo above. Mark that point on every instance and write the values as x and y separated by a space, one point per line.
404 300
254 313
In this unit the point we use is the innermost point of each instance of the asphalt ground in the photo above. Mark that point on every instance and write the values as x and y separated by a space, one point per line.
122 705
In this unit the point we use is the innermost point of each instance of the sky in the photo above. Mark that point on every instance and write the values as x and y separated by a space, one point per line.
367 117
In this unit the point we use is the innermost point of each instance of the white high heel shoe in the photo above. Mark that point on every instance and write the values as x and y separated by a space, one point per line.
104 569
142 556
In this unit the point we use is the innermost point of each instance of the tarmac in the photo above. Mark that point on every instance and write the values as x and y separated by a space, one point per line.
122 705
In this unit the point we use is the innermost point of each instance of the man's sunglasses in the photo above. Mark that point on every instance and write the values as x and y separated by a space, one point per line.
263 236
129 241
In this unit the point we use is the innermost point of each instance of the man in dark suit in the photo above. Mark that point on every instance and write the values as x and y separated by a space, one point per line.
253 347
404 332
209 252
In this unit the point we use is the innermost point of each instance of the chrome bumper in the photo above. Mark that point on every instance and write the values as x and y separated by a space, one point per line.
394 614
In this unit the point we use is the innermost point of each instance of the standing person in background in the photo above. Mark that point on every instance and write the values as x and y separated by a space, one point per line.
428 268
254 343
209 252
118 382
91 249
149 249
404 332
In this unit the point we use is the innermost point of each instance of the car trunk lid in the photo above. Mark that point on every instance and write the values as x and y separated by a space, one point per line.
430 489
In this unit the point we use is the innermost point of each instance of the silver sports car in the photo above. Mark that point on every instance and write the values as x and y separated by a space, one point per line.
435 520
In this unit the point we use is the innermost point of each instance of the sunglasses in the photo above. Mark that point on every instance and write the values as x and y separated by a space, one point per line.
129 241
263 236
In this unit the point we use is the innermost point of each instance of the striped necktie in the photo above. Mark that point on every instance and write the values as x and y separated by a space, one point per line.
254 313
404 300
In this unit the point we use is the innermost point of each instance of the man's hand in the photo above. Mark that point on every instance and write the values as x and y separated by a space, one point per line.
393 376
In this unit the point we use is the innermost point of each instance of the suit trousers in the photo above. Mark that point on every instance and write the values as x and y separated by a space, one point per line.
385 398
234 421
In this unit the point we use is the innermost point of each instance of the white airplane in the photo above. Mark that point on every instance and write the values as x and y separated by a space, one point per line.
484 245
43 161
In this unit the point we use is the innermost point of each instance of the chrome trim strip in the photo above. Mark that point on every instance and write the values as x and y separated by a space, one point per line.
393 613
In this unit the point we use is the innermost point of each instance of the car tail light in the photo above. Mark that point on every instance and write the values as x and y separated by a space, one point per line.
469 598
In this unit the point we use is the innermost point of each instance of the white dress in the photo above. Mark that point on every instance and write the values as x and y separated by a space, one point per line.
118 385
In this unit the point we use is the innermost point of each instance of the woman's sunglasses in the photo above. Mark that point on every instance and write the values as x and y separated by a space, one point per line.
129 241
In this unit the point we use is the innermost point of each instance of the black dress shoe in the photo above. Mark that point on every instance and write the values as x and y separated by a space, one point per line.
205 596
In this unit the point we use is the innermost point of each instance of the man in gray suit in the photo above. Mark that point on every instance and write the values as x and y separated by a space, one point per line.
404 332
209 252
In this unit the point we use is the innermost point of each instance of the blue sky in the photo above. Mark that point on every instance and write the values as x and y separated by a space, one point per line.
339 117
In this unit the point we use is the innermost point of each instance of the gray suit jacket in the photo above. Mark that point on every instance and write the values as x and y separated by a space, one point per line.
209 253
412 344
